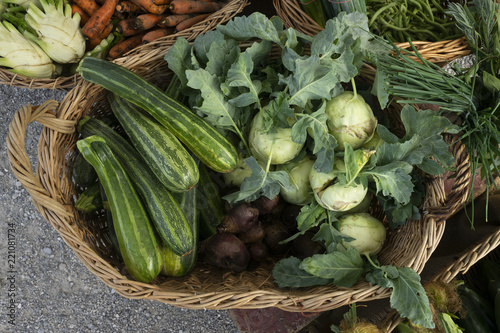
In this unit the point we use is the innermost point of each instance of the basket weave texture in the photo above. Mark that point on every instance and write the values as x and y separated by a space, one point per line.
462 267
139 55
53 193
440 53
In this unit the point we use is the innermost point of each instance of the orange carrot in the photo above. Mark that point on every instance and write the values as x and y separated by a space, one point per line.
125 45
151 35
127 6
174 19
99 19
150 7
91 43
191 21
127 27
162 2
193 6
84 17
147 21
88 6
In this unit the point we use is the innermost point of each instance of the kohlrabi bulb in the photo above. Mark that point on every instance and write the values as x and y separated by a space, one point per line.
319 180
276 144
350 119
238 175
368 232
341 198
300 193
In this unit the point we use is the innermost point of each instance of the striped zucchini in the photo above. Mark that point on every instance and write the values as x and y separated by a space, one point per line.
166 214
173 264
162 151
203 140
83 173
111 228
139 246
209 204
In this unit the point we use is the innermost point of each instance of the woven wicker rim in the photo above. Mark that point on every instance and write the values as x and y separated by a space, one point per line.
440 53
141 54
52 191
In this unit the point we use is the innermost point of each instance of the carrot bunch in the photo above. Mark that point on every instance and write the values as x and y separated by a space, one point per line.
138 21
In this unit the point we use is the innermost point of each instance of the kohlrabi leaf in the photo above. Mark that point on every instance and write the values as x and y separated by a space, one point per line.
204 42
310 81
425 123
344 267
380 88
330 235
287 273
408 295
422 141
215 107
355 160
239 75
277 113
261 182
398 213
393 180
178 58
220 56
256 25
315 125
259 51
310 216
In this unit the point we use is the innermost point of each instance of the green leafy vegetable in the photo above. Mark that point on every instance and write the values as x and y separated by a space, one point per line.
408 296
289 274
345 267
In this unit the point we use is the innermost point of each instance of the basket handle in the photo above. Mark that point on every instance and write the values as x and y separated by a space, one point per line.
19 159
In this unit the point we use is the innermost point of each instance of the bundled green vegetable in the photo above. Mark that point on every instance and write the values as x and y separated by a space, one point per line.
470 95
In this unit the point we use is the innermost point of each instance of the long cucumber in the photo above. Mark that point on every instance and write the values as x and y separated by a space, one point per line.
203 140
162 151
166 214
139 246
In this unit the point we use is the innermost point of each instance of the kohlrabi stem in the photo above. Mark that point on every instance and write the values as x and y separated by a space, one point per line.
268 164
354 88
242 139
371 261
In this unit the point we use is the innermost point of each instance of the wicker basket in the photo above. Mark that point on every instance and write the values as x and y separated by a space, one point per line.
437 52
141 54
206 287
460 264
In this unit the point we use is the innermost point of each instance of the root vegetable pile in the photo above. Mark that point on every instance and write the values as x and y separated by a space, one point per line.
137 22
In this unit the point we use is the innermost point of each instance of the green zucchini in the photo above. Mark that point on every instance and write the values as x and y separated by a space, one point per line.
162 151
203 140
166 214
90 199
479 311
109 222
139 246
209 204
83 173
173 264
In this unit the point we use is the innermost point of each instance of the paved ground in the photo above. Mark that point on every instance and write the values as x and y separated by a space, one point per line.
50 288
